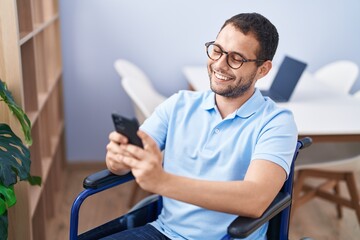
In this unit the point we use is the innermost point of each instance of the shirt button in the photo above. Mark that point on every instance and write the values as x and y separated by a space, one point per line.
217 130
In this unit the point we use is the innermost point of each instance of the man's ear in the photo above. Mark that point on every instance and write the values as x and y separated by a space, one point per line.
264 68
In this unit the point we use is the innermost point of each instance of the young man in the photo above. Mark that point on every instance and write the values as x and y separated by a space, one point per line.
227 152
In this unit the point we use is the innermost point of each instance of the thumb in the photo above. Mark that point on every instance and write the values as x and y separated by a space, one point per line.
148 142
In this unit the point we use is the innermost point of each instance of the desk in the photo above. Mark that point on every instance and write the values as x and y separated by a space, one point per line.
319 111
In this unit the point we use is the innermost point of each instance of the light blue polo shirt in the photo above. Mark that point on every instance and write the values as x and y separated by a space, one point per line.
198 143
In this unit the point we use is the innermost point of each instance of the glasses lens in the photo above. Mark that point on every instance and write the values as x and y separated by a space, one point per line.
235 60
214 52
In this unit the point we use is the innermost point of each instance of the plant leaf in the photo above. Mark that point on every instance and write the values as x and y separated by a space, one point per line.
34 180
14 157
7 198
4 225
5 94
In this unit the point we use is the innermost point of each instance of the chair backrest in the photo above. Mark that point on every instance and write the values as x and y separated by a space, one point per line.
126 68
340 75
357 94
139 88
144 97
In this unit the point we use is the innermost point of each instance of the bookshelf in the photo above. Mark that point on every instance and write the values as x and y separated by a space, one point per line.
30 64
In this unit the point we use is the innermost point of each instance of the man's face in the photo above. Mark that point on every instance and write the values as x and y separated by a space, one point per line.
229 82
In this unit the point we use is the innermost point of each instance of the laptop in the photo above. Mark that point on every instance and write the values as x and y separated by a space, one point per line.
285 80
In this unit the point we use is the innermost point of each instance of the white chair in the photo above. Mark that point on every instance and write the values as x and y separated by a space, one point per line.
143 95
340 75
137 85
357 94
322 179
327 176
126 68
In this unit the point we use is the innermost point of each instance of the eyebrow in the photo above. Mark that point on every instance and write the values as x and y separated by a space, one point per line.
242 55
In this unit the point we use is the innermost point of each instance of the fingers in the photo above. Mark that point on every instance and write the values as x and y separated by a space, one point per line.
148 142
115 148
115 164
145 138
133 151
115 152
121 155
131 162
118 138
116 145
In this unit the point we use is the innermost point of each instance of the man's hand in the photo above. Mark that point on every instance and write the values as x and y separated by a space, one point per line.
114 152
145 164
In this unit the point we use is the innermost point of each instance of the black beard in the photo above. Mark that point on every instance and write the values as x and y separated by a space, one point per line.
234 92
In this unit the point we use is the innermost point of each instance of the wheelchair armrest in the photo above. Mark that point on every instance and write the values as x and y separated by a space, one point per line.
93 184
242 227
104 178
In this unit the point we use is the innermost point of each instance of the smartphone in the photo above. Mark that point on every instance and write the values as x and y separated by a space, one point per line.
127 127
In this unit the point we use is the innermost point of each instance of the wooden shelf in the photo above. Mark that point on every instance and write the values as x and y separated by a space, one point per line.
31 66
38 229
39 28
46 165
24 15
36 169
34 193
29 76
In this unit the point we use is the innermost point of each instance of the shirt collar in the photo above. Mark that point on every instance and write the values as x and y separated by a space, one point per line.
209 100
245 111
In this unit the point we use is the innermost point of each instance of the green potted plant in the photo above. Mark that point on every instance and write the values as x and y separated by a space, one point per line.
14 158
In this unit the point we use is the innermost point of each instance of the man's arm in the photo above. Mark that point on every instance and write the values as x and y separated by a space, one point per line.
249 197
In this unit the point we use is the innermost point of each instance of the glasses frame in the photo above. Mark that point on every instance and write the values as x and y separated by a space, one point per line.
243 59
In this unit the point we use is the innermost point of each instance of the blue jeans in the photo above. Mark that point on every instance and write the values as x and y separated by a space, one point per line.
146 232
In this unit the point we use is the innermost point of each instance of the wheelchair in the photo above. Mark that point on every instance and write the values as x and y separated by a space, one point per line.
147 210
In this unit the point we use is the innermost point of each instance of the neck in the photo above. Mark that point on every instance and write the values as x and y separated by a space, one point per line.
227 105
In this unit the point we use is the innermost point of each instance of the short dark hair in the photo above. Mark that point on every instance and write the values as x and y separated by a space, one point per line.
262 29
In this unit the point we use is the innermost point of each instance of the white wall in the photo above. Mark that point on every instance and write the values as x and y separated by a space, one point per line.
163 36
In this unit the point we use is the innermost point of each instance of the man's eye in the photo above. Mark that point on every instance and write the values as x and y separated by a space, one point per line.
236 58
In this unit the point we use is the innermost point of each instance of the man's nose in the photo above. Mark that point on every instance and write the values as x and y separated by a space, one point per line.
222 61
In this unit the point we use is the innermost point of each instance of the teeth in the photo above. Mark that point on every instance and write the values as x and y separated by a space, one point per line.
220 76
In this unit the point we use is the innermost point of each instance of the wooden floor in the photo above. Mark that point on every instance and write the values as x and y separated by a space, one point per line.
315 219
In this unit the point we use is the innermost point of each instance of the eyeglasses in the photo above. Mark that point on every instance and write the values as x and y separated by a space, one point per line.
234 60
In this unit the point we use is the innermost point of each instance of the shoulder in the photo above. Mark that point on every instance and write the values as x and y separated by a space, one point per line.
279 114
263 110
272 111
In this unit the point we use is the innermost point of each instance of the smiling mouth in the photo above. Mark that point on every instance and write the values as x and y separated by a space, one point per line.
221 76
